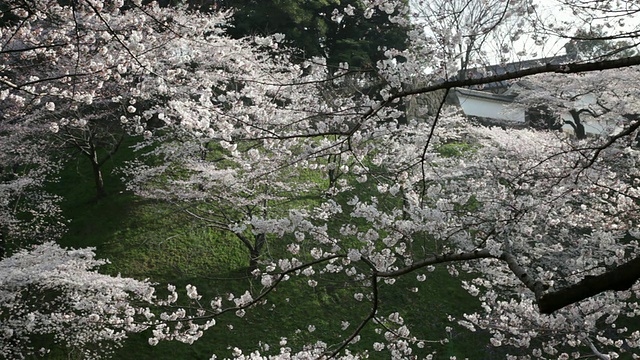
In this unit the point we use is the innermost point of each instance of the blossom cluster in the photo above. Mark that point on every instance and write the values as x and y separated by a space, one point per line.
271 149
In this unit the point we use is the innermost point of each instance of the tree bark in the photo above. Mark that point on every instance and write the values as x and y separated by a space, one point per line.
97 175
570 68
2 245
254 255
256 250
618 279
621 278
578 127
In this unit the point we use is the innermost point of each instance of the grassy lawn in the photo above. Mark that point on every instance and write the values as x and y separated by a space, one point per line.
155 240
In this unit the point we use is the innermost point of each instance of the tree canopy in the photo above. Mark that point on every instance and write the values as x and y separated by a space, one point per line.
593 43
320 28
288 154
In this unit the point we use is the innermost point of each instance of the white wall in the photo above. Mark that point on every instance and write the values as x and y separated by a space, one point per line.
500 110
592 126
474 106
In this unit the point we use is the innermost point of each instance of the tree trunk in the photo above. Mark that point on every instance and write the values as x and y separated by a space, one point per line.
2 245
580 132
254 255
578 127
97 175
405 205
256 250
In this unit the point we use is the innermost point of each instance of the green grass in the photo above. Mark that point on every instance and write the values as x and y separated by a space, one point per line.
455 149
155 240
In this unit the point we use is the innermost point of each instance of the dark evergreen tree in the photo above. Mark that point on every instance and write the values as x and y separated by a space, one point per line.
594 43
308 26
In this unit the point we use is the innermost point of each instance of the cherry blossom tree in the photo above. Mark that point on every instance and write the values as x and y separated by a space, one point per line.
516 204
52 295
591 31
72 68
246 201
545 225
530 212
592 105
469 33
29 214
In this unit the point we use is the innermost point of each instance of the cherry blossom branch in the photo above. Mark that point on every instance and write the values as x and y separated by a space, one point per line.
569 68
439 259
307 82
278 278
15 32
534 285
619 192
365 321
52 78
595 350
30 48
113 151
317 153
611 141
619 279
115 35
17 87
426 145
